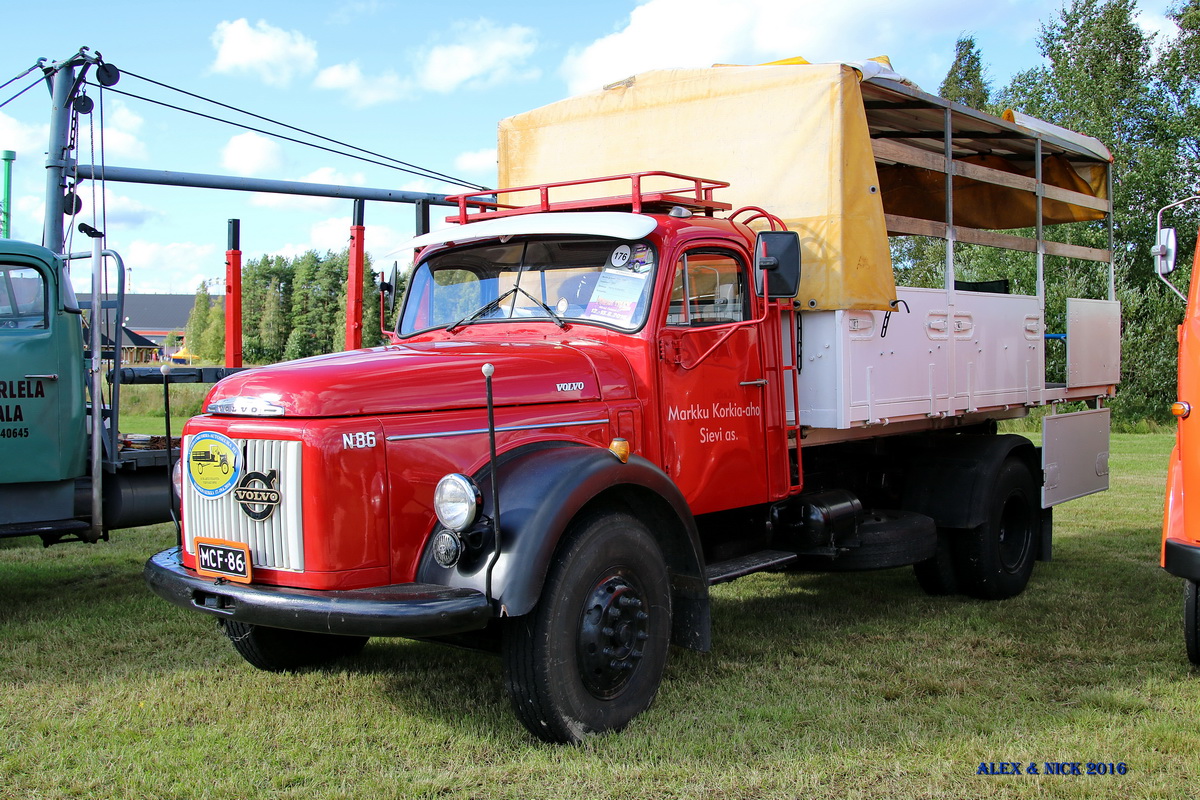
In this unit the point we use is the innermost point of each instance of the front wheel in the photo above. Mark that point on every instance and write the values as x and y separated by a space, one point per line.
1191 620
590 657
278 650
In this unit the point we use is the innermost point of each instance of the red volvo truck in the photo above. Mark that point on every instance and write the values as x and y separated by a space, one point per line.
602 397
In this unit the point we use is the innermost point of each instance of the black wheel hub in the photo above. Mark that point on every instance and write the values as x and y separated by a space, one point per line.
613 629
1015 534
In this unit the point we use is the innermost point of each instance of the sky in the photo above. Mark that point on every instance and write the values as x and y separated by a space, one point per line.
421 82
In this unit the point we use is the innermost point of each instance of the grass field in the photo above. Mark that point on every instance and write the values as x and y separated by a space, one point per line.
819 686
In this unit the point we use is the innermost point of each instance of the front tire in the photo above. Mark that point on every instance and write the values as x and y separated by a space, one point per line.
1191 620
590 657
996 559
280 650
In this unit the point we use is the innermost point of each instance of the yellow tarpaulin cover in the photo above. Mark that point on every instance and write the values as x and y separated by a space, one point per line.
792 139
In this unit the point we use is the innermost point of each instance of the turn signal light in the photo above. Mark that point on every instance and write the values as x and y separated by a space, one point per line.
1181 409
620 449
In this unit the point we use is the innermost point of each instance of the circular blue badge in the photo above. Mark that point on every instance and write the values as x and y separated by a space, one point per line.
214 464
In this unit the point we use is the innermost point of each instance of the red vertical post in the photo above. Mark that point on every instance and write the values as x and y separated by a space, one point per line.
233 296
354 281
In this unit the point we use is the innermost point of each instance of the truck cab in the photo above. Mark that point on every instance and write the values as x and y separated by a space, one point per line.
65 472
42 408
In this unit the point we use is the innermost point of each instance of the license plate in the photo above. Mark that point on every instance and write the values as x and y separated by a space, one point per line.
221 559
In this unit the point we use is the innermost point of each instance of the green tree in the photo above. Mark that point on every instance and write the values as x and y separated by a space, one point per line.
261 279
273 328
1101 78
919 260
370 316
212 340
967 82
198 318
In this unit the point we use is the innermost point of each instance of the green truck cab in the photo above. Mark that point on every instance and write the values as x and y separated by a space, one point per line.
43 443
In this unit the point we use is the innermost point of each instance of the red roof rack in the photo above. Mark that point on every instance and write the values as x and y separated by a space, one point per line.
695 195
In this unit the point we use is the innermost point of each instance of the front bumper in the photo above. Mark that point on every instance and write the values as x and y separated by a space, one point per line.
1182 559
407 609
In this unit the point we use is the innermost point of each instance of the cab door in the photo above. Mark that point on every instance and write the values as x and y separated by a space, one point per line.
42 436
712 384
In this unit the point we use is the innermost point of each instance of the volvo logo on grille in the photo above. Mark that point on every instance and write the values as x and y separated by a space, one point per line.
257 495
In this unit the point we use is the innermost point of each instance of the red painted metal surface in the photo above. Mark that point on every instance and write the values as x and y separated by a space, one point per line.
354 289
425 376
233 308
707 417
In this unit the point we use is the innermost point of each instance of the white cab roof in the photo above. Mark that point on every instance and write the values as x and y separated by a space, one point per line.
615 224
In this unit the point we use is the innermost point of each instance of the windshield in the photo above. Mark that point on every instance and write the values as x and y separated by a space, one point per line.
604 281
22 297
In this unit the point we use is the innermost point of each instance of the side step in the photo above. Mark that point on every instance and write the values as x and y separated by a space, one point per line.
725 571
52 531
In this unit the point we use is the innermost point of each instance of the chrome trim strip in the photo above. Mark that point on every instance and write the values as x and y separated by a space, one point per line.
441 434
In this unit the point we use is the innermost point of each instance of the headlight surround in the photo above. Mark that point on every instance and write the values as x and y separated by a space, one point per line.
457 501
177 478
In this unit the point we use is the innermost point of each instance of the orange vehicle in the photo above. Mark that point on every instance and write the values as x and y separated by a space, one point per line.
1181 519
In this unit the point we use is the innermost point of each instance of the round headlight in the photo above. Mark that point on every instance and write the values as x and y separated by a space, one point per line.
457 501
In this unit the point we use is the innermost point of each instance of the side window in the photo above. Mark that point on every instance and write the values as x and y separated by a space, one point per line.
709 288
22 298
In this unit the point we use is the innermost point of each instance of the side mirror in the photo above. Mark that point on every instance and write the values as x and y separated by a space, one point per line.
1164 252
391 287
777 259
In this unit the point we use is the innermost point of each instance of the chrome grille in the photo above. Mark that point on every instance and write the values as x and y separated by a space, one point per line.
276 542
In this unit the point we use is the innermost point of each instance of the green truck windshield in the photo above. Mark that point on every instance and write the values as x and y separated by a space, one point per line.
22 298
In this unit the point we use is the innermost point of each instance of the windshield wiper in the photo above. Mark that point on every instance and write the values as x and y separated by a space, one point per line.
495 304
484 309
549 311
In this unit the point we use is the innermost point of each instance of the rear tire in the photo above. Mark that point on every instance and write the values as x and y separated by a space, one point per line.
996 559
1191 620
279 650
590 657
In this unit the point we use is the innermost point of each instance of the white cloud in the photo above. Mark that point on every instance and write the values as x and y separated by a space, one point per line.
122 211
27 141
361 90
1160 26
483 54
477 161
274 55
251 154
29 214
697 33
121 140
176 268
333 234
349 13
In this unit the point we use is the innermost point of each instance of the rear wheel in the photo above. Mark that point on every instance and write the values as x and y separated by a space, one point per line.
1191 620
278 650
590 656
996 559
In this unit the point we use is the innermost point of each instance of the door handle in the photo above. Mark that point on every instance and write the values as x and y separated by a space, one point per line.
51 377
759 382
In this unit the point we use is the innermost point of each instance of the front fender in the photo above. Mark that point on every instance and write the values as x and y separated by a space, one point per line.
542 490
